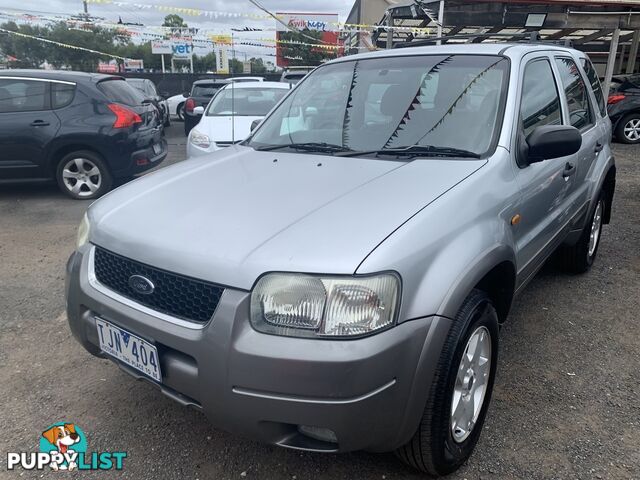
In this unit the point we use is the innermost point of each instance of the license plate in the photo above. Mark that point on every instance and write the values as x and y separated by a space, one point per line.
157 148
129 349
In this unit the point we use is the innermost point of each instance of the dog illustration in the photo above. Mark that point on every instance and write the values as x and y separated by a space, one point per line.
62 436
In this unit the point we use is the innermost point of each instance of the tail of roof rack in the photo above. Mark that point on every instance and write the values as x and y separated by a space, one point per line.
529 37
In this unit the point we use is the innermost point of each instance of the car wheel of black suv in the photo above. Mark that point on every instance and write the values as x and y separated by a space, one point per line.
579 257
460 392
628 128
83 175
180 112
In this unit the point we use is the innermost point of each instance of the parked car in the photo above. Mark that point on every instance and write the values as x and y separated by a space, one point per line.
201 92
83 130
337 281
624 108
176 105
293 75
231 113
149 90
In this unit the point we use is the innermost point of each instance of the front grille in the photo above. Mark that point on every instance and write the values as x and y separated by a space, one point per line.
173 294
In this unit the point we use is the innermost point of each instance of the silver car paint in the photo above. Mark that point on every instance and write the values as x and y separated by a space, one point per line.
441 224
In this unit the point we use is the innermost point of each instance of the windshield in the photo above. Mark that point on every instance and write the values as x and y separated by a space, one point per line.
449 101
255 102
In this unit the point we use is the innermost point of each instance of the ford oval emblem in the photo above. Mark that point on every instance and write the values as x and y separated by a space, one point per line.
141 284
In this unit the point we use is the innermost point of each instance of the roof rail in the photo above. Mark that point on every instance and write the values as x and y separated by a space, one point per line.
528 37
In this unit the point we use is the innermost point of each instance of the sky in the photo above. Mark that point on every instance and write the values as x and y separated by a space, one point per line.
154 16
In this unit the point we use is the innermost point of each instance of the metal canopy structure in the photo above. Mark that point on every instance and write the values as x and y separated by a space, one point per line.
608 30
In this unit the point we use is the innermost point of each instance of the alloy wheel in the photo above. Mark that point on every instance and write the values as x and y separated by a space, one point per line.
471 384
632 130
81 177
596 225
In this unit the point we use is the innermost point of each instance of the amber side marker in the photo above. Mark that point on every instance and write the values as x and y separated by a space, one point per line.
515 219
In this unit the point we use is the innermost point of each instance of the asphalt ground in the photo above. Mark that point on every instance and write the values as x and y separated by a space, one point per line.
566 403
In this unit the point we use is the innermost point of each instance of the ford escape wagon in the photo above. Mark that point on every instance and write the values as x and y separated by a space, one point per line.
336 282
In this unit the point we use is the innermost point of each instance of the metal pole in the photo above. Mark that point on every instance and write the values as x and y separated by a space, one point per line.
611 61
163 70
86 8
633 53
191 59
390 30
440 20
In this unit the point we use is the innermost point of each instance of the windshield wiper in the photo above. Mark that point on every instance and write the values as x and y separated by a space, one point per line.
417 151
309 147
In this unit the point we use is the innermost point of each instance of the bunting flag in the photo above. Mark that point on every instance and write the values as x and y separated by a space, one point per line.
65 45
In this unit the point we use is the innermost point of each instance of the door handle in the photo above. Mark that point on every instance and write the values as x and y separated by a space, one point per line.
39 123
598 148
569 169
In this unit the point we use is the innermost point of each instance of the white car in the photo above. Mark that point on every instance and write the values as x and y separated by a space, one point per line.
176 105
231 112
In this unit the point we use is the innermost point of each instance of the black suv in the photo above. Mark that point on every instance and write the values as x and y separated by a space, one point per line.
624 107
83 130
201 93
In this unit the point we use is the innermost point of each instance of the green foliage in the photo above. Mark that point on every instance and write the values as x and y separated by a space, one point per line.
308 55
257 66
206 63
175 21
235 66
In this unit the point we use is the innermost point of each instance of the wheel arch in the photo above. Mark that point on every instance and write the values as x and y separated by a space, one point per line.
609 187
59 153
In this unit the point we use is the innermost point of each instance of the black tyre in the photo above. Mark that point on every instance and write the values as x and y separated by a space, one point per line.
180 112
628 128
167 121
83 175
460 392
579 257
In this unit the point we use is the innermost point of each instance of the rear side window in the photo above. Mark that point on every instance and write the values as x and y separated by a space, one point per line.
592 75
575 89
62 94
540 104
120 91
19 95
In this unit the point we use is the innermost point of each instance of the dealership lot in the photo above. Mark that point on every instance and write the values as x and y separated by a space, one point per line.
565 404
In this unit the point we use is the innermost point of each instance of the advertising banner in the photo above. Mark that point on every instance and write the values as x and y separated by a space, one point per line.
323 26
222 58
161 47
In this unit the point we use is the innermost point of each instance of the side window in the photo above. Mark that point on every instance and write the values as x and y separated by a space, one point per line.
62 94
575 88
18 95
540 103
592 75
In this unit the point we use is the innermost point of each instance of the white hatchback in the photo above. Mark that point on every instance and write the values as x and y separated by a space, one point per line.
231 112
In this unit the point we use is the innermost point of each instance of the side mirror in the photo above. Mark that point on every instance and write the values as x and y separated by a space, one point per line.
198 110
547 142
255 124
186 94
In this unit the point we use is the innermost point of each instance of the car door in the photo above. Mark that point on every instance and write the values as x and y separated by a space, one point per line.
545 186
27 126
582 115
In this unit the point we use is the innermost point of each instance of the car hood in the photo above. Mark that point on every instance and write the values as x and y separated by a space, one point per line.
230 216
219 128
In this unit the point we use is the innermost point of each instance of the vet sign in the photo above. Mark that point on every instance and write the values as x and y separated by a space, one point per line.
182 50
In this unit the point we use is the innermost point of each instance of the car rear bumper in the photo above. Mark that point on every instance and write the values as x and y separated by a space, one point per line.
369 392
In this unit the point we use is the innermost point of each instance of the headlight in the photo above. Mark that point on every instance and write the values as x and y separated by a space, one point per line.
83 232
309 306
199 139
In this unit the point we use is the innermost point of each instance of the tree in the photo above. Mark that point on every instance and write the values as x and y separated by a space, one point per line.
174 21
203 64
235 66
257 66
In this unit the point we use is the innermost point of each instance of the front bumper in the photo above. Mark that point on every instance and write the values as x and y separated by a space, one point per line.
370 392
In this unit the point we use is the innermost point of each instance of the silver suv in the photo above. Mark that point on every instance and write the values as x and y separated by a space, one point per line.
337 281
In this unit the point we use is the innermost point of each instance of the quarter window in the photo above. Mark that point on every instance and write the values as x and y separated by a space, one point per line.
62 94
540 104
575 89
592 75
18 95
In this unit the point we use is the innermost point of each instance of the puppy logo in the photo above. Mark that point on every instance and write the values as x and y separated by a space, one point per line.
61 438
